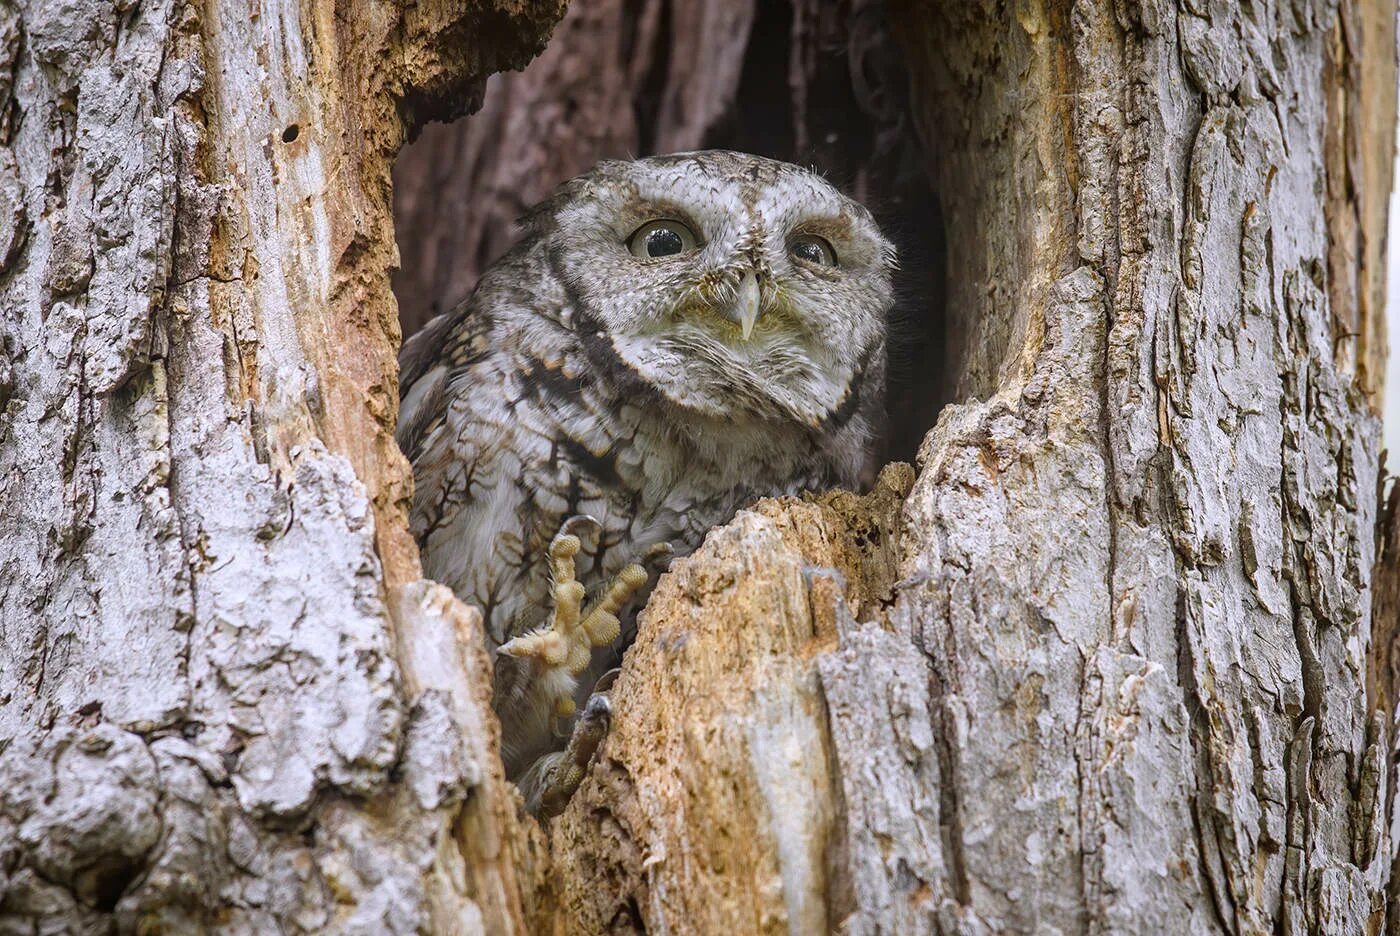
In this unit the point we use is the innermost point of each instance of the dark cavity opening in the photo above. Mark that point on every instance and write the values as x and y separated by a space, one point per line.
291 133
820 85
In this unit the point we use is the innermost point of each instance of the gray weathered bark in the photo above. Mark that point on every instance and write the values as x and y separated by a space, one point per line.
1119 685
1099 663
226 699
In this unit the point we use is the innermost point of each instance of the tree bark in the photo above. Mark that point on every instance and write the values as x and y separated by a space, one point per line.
1120 682
228 702
1104 660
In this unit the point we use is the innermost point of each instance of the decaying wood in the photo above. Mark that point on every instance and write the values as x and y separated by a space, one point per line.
1120 683
1098 663
227 701
712 810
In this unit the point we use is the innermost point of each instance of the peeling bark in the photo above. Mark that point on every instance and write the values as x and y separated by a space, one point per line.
1106 660
1134 579
218 709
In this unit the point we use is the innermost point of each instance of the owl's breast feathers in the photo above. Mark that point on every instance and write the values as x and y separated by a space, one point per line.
518 414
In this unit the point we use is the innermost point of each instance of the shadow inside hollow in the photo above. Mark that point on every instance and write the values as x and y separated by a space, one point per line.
821 85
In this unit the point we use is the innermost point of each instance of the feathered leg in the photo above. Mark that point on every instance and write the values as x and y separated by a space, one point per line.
557 653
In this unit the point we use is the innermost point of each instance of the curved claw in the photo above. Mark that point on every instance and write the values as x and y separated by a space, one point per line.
561 650
605 682
578 523
659 556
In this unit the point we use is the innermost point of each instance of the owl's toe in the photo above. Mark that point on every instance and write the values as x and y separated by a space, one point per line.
551 781
563 647
560 651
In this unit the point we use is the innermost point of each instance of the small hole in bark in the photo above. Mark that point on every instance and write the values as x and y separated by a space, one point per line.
291 133
105 884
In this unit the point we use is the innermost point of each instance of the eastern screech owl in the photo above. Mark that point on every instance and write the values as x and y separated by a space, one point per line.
671 338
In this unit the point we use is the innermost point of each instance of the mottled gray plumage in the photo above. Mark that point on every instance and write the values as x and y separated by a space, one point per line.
581 378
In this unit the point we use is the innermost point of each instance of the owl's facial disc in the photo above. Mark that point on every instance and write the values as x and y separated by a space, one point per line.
672 240
732 286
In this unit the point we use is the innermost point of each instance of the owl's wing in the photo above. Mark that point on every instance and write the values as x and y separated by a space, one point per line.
448 345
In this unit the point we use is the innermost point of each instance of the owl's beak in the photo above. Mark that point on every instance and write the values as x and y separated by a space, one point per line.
745 308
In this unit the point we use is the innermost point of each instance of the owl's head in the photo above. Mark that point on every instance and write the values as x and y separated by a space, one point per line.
733 285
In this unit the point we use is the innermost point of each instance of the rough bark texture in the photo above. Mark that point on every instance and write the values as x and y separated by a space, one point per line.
725 803
227 701
1383 687
1098 664
1120 683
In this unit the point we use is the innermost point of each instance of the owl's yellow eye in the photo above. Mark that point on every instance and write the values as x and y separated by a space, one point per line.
815 250
661 238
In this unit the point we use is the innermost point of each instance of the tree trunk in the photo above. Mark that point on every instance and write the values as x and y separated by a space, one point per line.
228 700
1103 661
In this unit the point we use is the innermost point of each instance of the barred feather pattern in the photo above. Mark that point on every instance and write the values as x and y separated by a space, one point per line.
580 379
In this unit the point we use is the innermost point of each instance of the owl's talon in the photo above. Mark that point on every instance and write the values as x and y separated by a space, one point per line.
563 647
659 556
578 523
605 682
558 644
553 779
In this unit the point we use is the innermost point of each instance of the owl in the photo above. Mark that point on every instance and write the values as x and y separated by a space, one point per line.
670 338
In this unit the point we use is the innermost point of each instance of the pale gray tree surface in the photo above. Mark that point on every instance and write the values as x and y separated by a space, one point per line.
1102 661
227 703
